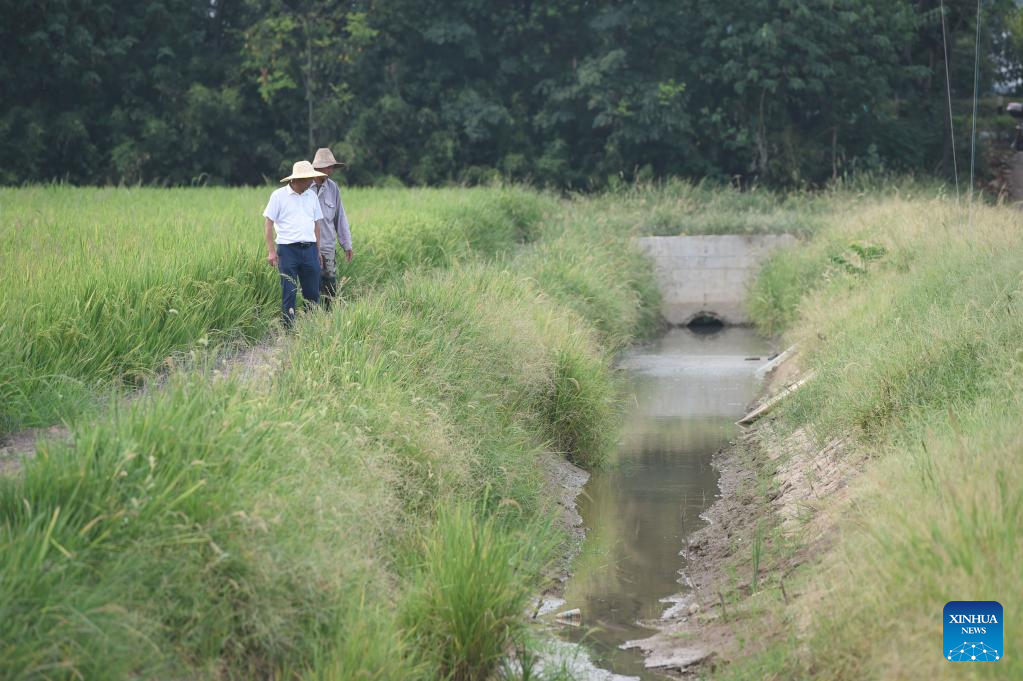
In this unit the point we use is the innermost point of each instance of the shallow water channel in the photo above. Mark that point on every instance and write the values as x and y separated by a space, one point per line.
686 391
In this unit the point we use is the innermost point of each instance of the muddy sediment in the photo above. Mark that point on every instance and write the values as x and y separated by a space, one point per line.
564 482
694 631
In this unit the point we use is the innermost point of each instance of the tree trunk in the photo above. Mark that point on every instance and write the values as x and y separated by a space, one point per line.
309 82
762 136
834 153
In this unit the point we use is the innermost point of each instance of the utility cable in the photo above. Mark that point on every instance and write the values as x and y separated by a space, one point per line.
951 123
976 87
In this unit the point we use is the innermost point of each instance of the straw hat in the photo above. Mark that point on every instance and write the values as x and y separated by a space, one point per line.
325 159
301 171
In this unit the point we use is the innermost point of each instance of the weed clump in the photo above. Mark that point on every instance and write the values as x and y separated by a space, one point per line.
465 605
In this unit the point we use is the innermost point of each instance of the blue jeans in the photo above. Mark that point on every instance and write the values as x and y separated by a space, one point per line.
298 263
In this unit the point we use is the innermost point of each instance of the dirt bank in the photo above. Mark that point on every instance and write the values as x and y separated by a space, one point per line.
564 482
773 490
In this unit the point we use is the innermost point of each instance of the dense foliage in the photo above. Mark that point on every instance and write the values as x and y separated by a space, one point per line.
566 92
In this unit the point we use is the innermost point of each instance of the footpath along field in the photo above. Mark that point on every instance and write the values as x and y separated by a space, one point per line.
372 508
895 475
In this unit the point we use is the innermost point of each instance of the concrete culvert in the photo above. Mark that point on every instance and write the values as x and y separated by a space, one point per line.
710 272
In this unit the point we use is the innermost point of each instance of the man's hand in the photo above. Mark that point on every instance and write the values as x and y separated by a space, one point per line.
348 255
271 247
323 261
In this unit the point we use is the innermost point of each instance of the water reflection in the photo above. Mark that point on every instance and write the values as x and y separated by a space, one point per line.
686 391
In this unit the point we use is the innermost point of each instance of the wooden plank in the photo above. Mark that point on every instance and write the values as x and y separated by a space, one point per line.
776 362
770 404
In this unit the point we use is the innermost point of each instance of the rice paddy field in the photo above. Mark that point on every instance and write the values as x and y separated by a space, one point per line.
106 285
312 519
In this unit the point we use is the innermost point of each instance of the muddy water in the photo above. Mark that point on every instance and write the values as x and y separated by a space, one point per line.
686 391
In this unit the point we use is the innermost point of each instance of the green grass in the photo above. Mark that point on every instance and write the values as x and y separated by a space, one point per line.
676 207
918 359
311 525
465 606
107 285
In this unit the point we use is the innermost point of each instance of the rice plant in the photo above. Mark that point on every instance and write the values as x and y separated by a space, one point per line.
107 285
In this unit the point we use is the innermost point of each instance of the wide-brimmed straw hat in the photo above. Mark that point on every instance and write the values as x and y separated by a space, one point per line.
303 170
325 159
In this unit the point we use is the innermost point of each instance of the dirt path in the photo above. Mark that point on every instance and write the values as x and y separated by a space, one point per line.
254 363
16 447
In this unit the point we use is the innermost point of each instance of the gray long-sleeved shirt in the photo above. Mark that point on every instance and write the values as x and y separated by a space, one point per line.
334 217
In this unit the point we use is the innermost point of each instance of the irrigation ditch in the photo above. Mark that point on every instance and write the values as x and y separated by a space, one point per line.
636 593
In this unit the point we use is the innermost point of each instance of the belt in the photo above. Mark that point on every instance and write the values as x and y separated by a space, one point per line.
301 244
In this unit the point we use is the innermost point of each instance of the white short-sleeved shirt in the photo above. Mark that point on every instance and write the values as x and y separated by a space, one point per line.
294 215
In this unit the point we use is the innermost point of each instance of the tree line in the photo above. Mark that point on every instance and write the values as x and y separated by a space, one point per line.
567 93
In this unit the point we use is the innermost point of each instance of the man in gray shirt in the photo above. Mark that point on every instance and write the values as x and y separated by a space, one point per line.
337 232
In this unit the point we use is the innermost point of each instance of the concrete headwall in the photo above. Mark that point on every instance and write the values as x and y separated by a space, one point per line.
708 275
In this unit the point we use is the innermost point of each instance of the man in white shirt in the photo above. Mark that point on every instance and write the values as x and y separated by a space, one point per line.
294 221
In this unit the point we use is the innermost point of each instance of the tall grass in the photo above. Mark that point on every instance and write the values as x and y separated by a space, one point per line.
316 525
918 358
586 261
466 601
678 207
106 285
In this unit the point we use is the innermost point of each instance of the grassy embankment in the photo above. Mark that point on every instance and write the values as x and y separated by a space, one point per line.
913 322
373 510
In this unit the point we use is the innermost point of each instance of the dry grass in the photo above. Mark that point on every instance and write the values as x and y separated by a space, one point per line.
917 350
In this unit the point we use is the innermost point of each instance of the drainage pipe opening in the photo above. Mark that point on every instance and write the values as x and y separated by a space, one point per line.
705 323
